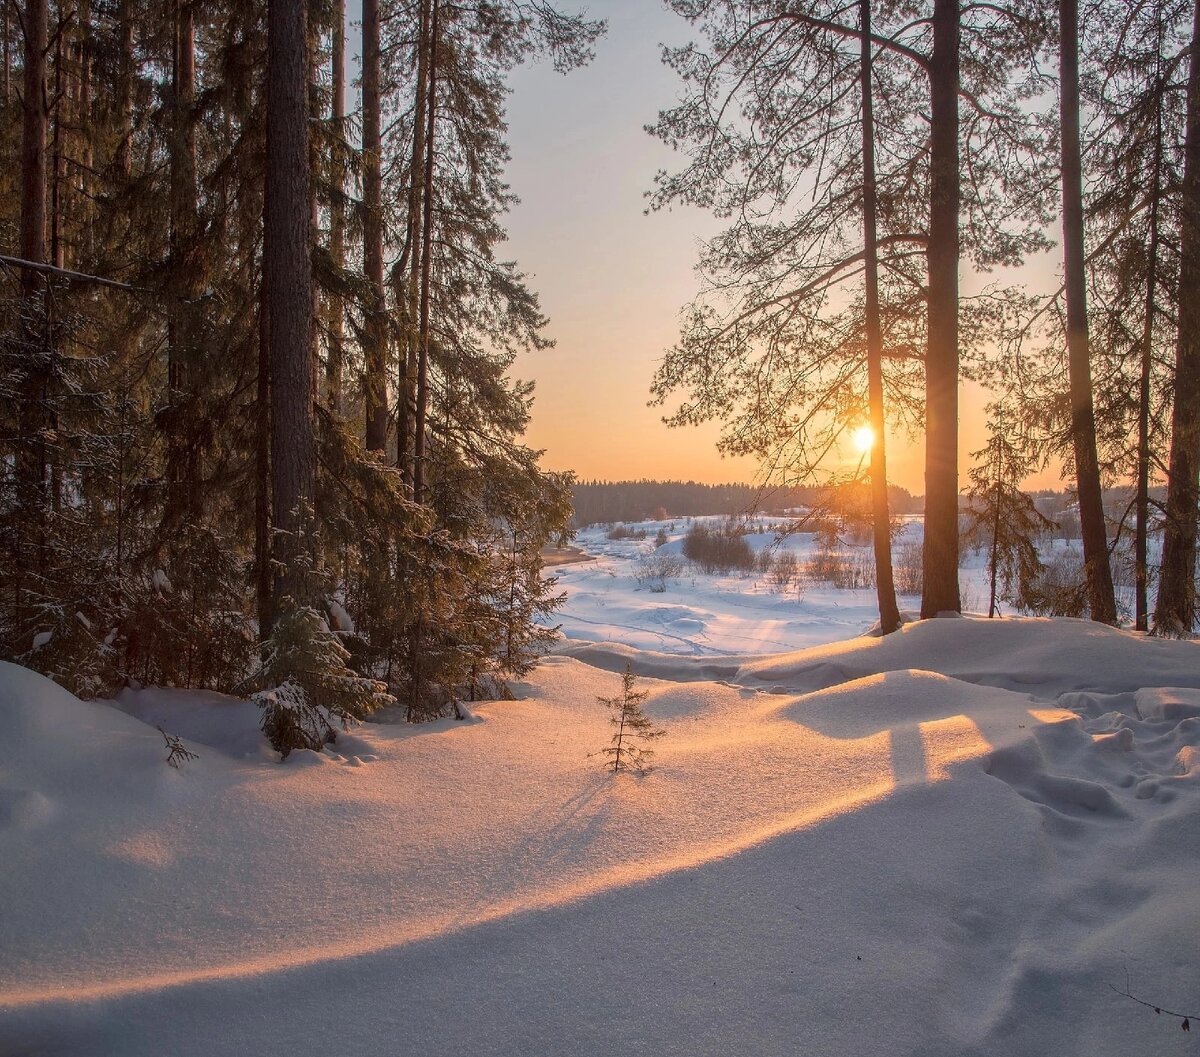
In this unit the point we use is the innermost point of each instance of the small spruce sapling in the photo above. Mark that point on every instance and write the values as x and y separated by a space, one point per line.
633 729
179 753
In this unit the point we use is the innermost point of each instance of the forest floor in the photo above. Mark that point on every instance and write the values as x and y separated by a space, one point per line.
964 838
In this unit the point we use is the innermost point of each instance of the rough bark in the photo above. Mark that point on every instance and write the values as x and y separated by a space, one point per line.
889 612
287 274
375 332
1175 608
1083 419
940 554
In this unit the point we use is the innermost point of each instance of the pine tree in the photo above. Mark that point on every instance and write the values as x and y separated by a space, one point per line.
1001 516
633 730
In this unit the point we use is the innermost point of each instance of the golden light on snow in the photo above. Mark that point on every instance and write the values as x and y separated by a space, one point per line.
863 439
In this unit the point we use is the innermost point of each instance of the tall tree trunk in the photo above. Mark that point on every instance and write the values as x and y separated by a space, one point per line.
181 500
940 553
414 243
262 464
1175 608
889 612
422 408
125 74
1083 419
58 157
1142 529
7 30
31 466
337 217
375 336
287 273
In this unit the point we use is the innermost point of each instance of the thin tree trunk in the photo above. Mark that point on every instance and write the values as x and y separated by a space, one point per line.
889 612
181 497
375 336
414 243
31 466
426 267
940 552
124 158
1083 418
337 217
57 155
287 273
1142 529
84 126
262 466
7 53
1175 608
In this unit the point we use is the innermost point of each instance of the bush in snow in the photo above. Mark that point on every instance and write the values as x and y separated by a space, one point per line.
908 569
620 532
633 729
1057 589
718 552
655 570
784 571
306 687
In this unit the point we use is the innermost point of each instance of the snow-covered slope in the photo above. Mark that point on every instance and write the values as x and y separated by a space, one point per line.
949 841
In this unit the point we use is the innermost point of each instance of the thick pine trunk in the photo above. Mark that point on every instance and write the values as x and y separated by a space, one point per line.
940 555
1175 608
375 336
889 612
337 217
287 274
1083 420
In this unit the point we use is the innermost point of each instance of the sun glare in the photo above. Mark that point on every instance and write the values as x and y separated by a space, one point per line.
863 439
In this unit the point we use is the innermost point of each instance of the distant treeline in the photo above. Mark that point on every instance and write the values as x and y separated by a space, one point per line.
602 502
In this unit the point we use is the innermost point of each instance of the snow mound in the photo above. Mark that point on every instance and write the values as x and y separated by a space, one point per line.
226 724
1046 656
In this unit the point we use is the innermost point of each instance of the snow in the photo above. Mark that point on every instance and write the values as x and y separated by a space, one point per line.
957 839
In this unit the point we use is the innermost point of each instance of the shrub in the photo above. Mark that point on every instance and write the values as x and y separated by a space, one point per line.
1059 589
785 571
654 570
908 570
621 532
718 552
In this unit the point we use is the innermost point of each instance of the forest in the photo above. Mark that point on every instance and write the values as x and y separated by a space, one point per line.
261 428
256 347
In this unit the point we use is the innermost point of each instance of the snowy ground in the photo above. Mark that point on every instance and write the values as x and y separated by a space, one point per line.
955 840
740 613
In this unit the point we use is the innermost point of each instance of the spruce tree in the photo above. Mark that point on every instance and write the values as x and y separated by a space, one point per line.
632 729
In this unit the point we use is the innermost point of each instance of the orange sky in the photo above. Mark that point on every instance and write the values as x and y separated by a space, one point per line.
611 279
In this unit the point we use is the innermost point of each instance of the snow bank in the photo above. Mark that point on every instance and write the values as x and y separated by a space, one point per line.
950 841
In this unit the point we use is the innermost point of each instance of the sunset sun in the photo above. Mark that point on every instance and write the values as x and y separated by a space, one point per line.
863 439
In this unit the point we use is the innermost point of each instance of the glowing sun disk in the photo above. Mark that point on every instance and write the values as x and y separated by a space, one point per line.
863 439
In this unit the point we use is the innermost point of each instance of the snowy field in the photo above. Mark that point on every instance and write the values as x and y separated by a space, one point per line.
742 613
957 840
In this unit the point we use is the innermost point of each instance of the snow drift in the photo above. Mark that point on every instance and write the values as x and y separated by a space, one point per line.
955 840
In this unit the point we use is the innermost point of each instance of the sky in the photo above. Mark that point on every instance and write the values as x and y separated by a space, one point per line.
611 277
